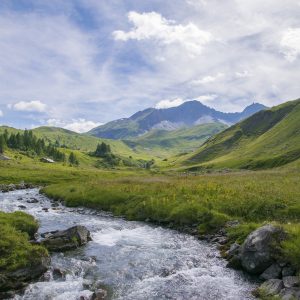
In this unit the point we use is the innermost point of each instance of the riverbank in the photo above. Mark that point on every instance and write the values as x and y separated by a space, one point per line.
131 260
200 204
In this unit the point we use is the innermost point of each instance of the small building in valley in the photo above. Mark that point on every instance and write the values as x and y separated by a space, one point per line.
47 160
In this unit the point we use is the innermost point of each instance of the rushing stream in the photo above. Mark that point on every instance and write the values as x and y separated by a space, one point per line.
131 260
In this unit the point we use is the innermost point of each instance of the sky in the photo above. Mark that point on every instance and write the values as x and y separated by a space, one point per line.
81 63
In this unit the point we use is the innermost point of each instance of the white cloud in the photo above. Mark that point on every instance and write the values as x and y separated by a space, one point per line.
152 25
1 113
206 98
78 125
33 106
290 43
169 103
207 79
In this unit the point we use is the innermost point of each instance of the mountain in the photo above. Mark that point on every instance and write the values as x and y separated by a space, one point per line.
163 143
269 138
188 114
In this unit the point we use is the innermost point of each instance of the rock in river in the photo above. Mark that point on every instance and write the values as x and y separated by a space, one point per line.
66 239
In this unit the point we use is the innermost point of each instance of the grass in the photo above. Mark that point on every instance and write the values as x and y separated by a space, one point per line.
269 138
15 249
163 143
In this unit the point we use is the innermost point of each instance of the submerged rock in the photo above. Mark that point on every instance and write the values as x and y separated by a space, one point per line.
257 252
100 294
63 240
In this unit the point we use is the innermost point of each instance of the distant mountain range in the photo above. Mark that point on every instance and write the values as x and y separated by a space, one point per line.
188 114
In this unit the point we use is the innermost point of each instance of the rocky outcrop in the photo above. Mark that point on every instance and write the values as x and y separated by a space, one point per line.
18 279
260 255
68 239
259 249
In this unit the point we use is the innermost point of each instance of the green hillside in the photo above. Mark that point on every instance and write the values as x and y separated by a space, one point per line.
77 141
164 143
270 138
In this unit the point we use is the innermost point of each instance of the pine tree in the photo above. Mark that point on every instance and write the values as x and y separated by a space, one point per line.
2 144
73 159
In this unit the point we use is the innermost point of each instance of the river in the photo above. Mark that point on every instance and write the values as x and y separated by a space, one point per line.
131 260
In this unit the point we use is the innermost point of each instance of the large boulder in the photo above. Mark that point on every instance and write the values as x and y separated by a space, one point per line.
68 239
259 249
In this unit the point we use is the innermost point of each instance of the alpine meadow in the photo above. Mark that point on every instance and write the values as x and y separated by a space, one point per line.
149 150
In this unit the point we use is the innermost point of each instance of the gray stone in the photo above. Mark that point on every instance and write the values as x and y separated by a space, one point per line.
291 281
273 272
259 247
33 200
290 294
22 206
66 239
288 271
100 294
271 287
233 250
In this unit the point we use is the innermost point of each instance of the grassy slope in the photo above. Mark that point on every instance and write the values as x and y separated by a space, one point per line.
162 143
267 139
81 142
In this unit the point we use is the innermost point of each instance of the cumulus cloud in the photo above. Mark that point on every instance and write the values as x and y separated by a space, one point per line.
290 43
32 106
78 68
78 125
154 26
1 113
169 103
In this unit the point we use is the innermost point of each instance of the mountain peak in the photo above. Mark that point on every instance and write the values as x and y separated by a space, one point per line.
188 114
254 107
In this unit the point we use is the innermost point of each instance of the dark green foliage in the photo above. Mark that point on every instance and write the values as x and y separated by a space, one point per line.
2 144
73 159
29 144
102 150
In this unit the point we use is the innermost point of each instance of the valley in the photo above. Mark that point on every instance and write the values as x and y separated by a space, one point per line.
194 180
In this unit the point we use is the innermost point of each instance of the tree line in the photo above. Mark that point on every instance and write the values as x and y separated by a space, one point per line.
28 142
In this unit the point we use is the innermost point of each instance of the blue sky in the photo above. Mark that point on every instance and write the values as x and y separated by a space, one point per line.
80 63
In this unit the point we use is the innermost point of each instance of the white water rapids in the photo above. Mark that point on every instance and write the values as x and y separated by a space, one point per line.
131 260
